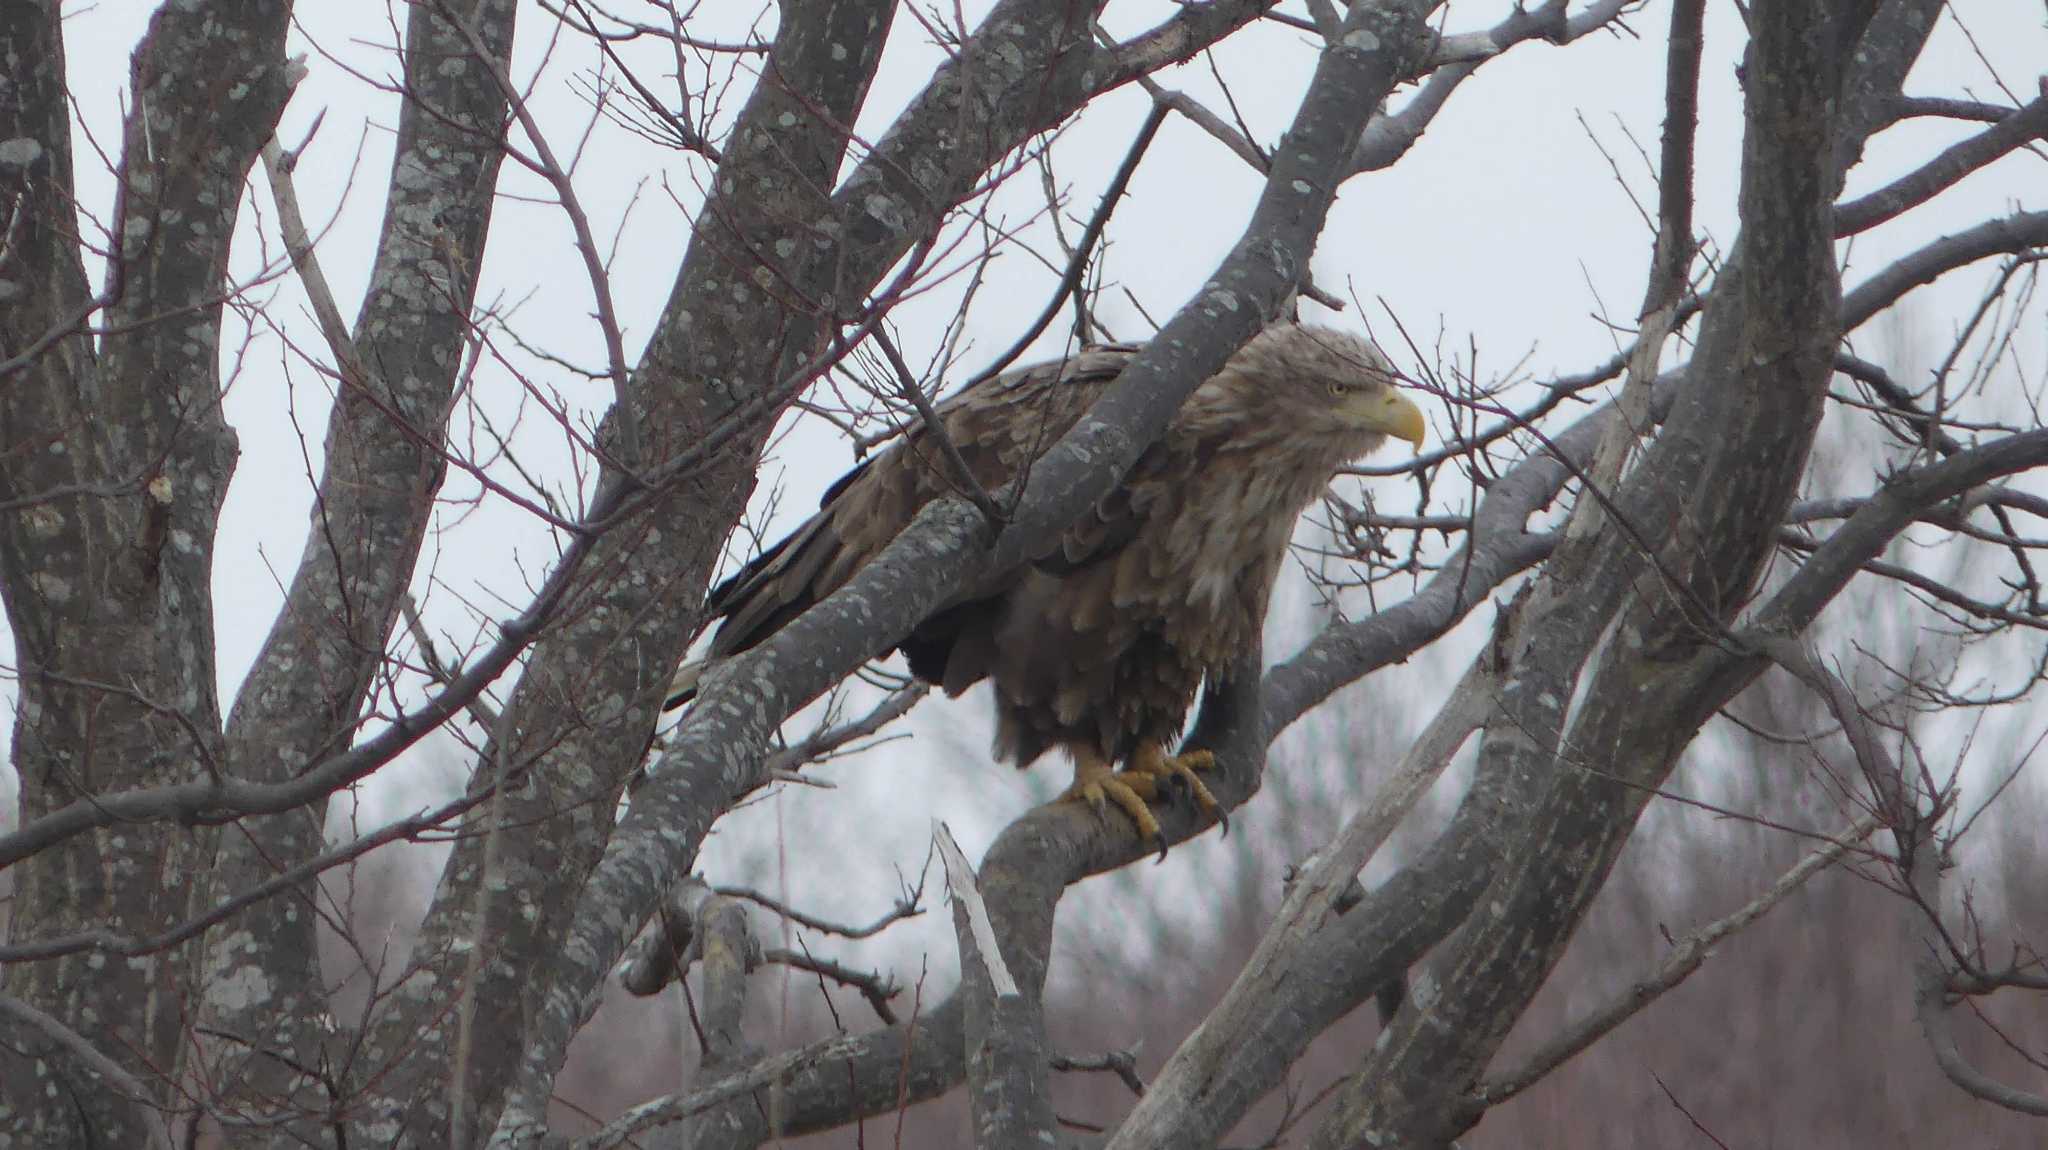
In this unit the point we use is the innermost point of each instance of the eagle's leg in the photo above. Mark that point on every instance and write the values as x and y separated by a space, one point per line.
1150 760
1095 780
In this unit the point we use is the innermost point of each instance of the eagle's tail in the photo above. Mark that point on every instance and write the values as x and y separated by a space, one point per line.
683 687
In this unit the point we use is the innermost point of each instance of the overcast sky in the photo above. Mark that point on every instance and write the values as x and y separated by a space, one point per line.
1505 228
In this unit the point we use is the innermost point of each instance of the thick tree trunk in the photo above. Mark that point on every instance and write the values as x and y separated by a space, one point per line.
113 466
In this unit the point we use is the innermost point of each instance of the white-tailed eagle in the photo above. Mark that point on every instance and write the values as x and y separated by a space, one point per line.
1098 645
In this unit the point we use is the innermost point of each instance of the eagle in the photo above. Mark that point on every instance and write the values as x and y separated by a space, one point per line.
1098 644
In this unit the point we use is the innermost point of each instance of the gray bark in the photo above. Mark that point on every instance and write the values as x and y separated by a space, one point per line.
113 464
305 693
1723 472
576 723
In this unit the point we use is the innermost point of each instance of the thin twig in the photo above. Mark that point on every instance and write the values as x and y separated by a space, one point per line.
874 986
1078 266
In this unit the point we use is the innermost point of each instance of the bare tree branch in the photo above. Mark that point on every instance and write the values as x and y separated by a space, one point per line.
41 1027
1943 171
2019 232
1919 860
1006 1059
1232 1060
1686 957
1388 137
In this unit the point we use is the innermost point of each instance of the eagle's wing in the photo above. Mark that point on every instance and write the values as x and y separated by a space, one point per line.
998 425
1114 521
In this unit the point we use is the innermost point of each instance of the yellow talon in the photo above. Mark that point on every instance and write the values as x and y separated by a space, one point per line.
1151 760
1142 780
1119 790
1128 792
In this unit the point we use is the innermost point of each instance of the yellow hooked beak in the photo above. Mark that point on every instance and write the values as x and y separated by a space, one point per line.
1392 413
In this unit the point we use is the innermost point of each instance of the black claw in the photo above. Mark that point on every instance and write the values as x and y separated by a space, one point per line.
1160 838
1223 816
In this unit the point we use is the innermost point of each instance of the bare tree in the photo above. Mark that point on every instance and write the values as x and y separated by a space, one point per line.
1657 545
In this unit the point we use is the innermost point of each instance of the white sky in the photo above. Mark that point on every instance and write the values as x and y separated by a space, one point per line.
1504 226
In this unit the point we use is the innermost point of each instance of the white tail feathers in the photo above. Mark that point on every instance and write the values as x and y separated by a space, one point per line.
683 687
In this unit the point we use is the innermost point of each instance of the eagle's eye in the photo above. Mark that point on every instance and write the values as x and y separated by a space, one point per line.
1338 388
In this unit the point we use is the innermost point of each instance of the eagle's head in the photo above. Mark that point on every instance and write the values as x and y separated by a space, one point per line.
1328 394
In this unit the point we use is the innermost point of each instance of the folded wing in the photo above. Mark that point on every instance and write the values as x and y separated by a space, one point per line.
999 426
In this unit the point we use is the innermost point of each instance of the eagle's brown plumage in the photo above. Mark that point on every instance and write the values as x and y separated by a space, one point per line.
1099 645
